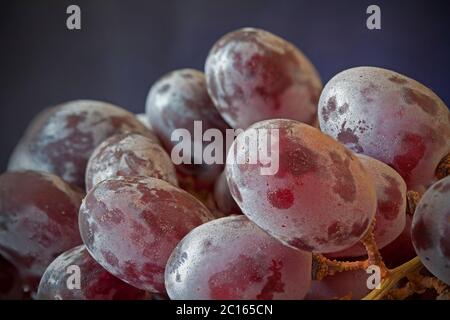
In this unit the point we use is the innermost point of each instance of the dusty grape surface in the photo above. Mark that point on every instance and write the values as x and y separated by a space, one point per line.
130 225
38 220
95 282
391 206
60 139
231 258
129 154
176 101
321 198
431 230
390 117
254 75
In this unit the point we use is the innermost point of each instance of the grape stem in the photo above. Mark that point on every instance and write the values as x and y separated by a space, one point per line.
392 277
443 169
403 292
418 283
373 254
322 266
412 199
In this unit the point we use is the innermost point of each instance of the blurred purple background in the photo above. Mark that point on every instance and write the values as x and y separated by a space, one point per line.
124 46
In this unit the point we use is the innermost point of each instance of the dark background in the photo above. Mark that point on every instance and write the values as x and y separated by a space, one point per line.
124 46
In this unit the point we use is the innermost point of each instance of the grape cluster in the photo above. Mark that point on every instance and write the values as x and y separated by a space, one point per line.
61 139
94 207
176 101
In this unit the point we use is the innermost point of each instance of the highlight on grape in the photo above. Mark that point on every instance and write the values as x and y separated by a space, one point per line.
261 147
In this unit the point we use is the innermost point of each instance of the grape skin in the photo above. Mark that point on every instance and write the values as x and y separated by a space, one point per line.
390 117
431 229
224 200
231 258
253 75
391 206
95 282
60 139
130 225
177 100
401 249
10 283
321 199
38 215
129 154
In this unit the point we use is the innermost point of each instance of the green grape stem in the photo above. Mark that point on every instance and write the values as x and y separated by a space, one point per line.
393 277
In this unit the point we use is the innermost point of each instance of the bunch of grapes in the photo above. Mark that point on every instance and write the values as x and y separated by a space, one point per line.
93 206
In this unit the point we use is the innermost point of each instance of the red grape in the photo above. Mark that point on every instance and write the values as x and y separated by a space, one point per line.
431 229
224 200
174 102
10 283
61 139
401 249
254 75
130 225
391 207
38 220
95 282
320 199
231 258
129 154
390 117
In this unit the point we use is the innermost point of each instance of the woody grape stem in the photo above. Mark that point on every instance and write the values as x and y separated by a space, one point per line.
412 199
418 283
393 276
322 266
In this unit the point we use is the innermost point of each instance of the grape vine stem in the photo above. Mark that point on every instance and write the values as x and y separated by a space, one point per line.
322 266
412 199
418 283
392 277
